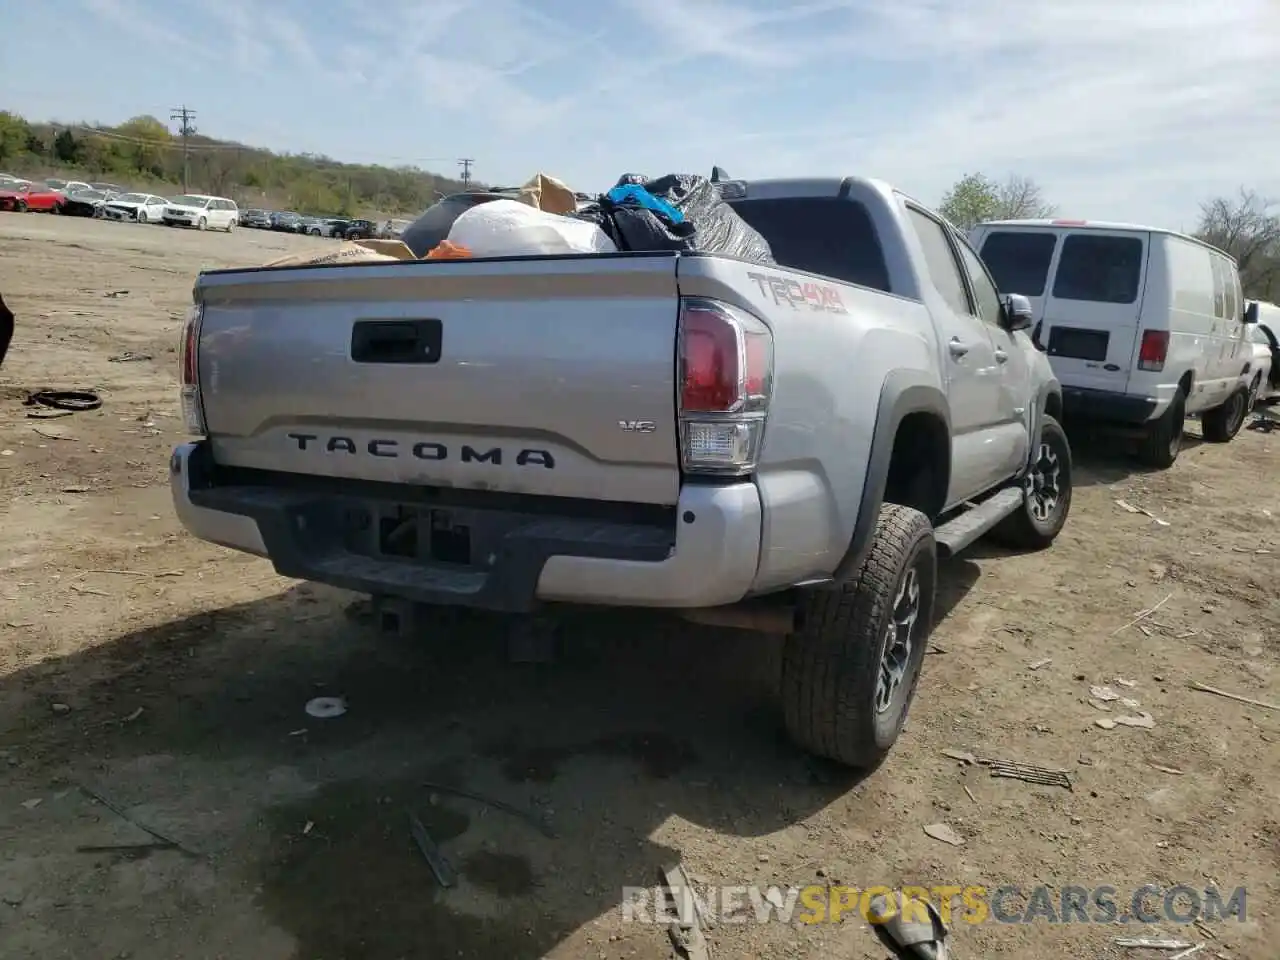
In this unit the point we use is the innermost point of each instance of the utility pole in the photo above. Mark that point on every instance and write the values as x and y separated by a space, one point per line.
184 116
465 163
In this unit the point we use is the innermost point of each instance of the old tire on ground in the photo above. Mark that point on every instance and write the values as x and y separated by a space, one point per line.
1160 447
1047 494
1221 424
849 670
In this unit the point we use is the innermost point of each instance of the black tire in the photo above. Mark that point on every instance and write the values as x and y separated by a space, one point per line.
832 662
1163 442
1222 423
1046 500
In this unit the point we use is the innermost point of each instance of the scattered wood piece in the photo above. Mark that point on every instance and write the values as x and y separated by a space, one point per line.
89 590
1145 943
1204 929
1163 769
1013 770
53 436
119 812
942 832
934 648
1190 951
960 755
970 793
1124 505
1125 683
1142 615
431 853
48 414
537 822
143 847
1143 720
1040 663
1203 688
685 932
1187 634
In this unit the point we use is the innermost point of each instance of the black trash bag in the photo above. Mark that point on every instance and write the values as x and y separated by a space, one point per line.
709 226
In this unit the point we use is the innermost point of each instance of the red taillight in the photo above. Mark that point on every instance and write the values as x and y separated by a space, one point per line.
726 381
1153 350
189 372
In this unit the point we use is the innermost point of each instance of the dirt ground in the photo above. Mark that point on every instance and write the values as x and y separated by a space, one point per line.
169 677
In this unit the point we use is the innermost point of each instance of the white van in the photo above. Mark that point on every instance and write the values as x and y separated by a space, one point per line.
202 212
1143 326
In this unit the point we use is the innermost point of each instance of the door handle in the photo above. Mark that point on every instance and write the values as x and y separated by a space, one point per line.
957 348
1001 356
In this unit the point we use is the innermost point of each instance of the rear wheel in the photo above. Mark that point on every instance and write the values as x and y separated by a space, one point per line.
1221 424
203 224
1163 442
851 666
1046 499
231 225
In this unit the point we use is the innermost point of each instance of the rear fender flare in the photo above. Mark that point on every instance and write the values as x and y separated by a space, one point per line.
903 392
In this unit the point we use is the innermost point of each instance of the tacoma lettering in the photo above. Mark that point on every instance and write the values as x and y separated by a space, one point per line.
422 450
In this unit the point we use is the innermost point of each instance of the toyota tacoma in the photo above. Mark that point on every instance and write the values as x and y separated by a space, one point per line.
787 447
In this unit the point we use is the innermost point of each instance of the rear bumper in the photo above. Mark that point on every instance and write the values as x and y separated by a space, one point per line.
708 559
1110 406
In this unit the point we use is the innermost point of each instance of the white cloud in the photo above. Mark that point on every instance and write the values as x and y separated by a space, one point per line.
1130 110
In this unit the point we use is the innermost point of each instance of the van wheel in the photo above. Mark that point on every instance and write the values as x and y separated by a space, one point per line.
1163 442
1046 497
1221 424
850 668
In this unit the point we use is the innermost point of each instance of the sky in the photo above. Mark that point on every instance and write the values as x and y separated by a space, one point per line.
1131 110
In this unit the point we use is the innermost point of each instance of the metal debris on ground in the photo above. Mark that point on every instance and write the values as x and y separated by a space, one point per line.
910 938
1013 770
325 708
685 931
444 873
533 819
162 842
1204 688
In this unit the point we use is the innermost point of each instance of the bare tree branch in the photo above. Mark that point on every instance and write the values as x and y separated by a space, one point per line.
1248 228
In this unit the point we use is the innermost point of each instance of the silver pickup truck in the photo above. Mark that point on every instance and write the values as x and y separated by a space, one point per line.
784 447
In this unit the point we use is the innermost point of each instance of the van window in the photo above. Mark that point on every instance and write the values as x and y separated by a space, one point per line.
1019 262
1099 269
944 270
823 235
1219 288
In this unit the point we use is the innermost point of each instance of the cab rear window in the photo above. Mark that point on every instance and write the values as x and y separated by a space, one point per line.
1019 261
1099 269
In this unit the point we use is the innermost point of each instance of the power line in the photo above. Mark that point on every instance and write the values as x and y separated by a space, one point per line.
465 163
184 116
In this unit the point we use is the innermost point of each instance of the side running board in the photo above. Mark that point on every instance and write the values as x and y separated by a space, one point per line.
960 532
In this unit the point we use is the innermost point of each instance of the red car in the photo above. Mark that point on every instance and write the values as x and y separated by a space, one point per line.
29 196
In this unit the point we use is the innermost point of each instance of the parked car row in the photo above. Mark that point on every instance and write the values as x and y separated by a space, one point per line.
341 228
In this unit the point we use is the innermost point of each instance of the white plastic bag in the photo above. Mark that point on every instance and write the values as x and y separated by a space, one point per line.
509 228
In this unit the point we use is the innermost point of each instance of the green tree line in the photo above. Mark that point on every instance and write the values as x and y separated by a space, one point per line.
1247 226
144 154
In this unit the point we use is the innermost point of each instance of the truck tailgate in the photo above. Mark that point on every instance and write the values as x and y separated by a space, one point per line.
536 376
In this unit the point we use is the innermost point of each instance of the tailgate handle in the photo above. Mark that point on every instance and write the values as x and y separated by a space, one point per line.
396 341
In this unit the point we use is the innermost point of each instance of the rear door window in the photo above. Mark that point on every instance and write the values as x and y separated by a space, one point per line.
944 270
1019 261
1099 269
824 235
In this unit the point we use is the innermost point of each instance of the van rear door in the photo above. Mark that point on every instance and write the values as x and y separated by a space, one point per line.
1092 306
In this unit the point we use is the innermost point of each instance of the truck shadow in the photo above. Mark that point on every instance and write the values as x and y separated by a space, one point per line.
645 732
1102 457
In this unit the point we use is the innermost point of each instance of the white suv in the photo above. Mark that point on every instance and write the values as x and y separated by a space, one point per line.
201 212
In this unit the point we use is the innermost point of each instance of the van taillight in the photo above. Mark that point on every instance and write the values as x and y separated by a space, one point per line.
1153 350
189 372
725 379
